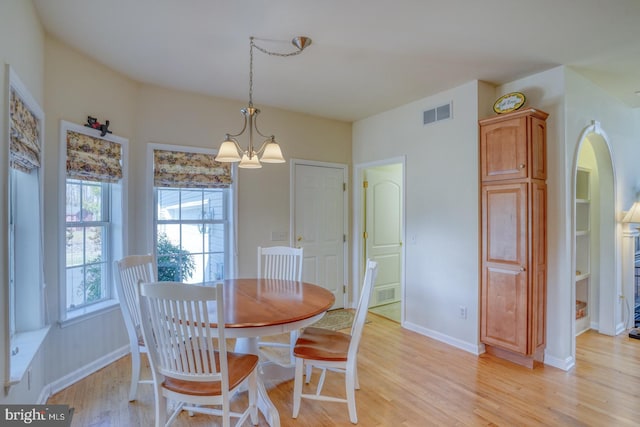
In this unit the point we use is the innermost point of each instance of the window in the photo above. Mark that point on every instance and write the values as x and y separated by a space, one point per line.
87 236
94 220
193 216
25 297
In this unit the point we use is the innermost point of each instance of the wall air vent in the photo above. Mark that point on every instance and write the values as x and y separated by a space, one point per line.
436 114
385 295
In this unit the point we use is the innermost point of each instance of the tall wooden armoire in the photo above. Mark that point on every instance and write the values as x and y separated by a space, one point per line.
513 171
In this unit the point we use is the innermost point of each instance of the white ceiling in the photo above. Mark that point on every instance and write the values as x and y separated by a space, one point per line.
367 56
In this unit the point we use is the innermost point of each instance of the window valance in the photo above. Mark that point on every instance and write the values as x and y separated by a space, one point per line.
184 169
24 146
93 159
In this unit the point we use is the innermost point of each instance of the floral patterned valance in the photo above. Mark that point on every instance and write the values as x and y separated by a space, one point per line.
24 147
93 159
189 170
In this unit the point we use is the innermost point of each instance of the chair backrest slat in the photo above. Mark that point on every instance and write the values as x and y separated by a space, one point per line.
128 272
175 317
371 272
280 262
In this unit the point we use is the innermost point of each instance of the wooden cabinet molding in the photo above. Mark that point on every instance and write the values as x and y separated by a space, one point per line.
513 146
513 235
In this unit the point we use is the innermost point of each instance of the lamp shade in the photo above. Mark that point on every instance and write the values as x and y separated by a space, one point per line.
272 153
633 215
250 163
228 152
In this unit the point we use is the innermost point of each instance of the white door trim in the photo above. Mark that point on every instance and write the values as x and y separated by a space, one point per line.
357 223
345 194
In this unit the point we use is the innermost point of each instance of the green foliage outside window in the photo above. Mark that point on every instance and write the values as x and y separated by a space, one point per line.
174 264
93 282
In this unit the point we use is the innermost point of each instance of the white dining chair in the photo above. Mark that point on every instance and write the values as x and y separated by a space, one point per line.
128 272
283 263
188 353
333 351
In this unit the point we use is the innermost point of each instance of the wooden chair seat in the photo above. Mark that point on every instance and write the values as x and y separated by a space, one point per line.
333 351
322 344
239 365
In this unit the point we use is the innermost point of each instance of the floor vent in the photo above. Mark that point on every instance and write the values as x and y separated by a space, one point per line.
388 294
436 114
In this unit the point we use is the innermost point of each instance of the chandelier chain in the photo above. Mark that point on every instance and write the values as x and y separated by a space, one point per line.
267 52
251 73
230 150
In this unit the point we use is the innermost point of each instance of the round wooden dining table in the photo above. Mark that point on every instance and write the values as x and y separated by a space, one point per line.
263 307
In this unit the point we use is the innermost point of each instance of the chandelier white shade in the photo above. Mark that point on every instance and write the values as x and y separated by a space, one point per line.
269 152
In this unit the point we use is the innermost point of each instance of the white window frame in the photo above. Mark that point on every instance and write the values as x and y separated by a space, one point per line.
117 244
231 255
24 333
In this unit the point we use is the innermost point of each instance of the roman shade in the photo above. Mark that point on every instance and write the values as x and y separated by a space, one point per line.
24 146
182 169
92 158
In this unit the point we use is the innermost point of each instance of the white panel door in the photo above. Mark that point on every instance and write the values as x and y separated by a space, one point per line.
383 227
319 226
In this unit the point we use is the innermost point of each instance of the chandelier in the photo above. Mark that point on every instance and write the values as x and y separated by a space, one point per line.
269 152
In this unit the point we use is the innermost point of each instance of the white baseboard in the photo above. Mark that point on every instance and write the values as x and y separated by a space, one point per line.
83 372
564 364
463 345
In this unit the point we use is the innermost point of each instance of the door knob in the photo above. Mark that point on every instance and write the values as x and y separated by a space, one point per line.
299 239
521 165
523 269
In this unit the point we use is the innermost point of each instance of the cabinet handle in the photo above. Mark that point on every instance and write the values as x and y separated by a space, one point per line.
523 269
521 165
299 239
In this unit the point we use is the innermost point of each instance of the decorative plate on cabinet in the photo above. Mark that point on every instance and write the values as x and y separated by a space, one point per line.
509 102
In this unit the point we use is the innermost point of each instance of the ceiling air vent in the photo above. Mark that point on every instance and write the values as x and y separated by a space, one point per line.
436 114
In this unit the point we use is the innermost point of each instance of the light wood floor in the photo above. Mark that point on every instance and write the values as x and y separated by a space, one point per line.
390 311
409 380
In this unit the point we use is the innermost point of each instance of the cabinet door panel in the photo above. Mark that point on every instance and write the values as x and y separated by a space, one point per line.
505 266
503 150
538 138
504 224
504 309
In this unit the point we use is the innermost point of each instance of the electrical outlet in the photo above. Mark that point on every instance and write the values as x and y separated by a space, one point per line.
462 312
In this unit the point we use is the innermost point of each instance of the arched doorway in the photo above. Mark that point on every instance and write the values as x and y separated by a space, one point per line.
595 249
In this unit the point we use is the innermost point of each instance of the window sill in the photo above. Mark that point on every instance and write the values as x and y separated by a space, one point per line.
94 310
28 344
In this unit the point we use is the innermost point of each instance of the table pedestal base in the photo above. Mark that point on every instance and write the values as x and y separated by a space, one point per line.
265 405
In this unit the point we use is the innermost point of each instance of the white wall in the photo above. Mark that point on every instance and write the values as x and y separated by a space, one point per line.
586 103
76 86
18 21
442 196
442 181
545 91
441 208
172 117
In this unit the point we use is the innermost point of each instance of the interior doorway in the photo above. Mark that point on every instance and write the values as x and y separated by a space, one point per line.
380 233
595 248
319 223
